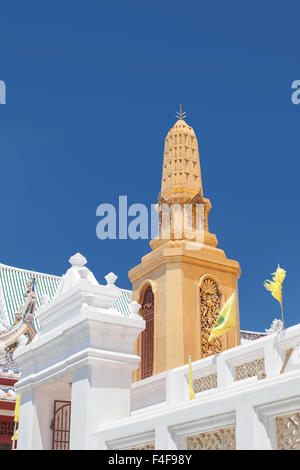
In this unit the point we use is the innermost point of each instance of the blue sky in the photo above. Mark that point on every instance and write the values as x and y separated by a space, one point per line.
92 89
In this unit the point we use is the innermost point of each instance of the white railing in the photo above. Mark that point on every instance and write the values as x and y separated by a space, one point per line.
260 359
249 389
148 393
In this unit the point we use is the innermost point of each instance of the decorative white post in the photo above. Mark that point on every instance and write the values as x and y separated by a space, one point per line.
83 353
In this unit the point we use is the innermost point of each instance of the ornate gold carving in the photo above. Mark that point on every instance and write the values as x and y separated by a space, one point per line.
288 432
181 167
205 383
210 306
221 439
251 369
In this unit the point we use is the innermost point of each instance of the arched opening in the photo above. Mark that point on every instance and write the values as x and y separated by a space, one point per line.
147 337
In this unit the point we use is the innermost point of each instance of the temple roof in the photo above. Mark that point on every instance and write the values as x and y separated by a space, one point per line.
7 393
13 284
12 288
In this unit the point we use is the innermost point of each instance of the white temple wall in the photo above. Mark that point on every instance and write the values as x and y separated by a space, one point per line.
247 397
247 410
163 413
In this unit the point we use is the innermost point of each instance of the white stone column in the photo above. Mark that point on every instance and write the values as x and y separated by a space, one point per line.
164 439
253 431
273 360
266 432
245 427
177 387
224 371
29 436
101 394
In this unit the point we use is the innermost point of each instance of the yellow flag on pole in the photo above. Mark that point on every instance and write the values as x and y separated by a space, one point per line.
275 286
192 395
17 408
226 319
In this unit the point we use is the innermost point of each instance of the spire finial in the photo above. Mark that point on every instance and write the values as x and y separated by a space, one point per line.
180 114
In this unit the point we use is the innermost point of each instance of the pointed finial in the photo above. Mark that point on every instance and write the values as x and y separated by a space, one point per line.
110 279
77 260
134 307
180 114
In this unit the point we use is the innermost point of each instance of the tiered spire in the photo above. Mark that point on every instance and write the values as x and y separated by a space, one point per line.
181 176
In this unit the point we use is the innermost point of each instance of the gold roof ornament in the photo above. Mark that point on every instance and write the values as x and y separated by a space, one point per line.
181 115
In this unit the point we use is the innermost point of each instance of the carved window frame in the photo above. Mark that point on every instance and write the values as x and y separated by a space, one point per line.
181 432
223 339
267 415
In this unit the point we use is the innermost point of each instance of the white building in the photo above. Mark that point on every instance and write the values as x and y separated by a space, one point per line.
76 388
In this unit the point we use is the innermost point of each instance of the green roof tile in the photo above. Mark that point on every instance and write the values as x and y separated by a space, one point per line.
13 284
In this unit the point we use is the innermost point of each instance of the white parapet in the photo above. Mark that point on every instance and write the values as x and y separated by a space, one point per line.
84 353
247 397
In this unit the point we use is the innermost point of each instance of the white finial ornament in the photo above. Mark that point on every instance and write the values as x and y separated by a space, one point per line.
111 279
275 327
134 307
78 260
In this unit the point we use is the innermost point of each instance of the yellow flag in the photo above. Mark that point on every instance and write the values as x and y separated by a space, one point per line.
17 408
275 286
192 395
225 320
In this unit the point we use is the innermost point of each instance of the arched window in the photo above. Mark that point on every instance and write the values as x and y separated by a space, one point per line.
147 338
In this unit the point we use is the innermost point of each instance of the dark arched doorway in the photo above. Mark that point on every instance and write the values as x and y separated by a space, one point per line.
147 338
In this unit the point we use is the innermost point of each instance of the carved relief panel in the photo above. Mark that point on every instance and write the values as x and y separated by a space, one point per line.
288 432
210 306
221 439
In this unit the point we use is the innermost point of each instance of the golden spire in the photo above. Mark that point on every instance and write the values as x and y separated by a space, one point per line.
181 176
180 114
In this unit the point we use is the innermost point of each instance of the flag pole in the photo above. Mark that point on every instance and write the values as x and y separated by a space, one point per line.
235 333
191 390
14 436
16 419
236 305
282 314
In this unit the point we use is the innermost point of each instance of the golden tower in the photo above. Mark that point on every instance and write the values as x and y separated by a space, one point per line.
182 283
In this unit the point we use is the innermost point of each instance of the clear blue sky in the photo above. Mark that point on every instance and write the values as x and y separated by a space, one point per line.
92 89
